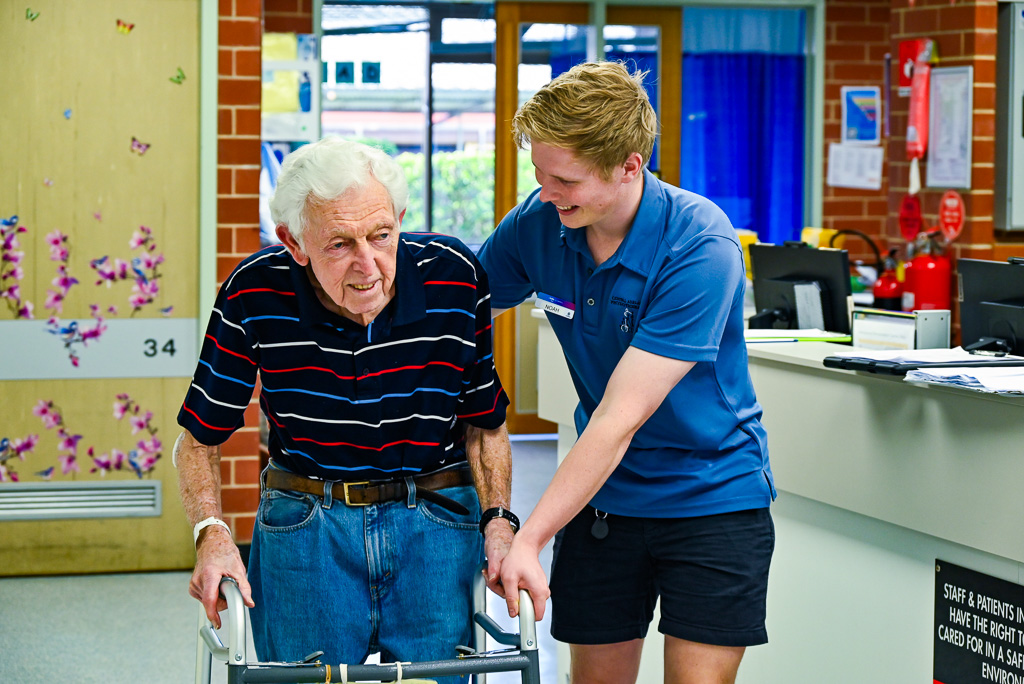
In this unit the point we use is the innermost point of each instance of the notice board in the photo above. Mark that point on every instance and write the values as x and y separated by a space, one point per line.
979 627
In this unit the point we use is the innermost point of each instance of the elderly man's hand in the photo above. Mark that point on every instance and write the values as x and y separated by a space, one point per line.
521 570
497 541
217 557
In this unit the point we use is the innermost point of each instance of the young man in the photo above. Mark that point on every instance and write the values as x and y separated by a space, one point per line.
666 492
387 423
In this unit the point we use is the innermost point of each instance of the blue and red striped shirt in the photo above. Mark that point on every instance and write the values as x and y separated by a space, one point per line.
344 401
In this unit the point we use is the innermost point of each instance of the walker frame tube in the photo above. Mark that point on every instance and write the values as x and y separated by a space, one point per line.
209 645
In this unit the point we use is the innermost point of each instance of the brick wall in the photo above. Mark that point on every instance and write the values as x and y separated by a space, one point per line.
857 37
283 16
856 41
241 26
965 34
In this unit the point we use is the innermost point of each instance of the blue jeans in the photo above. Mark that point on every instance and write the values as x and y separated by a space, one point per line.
351 581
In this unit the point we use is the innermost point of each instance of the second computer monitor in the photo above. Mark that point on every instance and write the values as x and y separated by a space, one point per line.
992 305
796 286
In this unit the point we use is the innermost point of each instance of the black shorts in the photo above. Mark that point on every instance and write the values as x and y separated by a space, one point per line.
710 572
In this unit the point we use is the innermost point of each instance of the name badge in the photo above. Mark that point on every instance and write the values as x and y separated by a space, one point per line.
554 305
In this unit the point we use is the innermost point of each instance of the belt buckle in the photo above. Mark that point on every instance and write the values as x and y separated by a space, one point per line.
348 501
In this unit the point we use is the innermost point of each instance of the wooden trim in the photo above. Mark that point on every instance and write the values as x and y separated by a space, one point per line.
669 20
506 100
508 18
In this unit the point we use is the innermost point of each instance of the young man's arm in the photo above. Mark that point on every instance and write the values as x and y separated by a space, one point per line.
216 553
636 389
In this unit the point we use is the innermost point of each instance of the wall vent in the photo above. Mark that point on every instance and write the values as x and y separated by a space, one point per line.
63 500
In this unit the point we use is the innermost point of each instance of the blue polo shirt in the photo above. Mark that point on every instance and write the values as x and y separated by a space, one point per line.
673 288
344 401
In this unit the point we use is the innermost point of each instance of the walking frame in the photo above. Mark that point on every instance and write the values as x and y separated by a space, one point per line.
522 657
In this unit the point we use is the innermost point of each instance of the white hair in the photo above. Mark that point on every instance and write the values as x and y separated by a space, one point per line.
325 170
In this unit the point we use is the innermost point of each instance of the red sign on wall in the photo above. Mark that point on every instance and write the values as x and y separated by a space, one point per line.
951 214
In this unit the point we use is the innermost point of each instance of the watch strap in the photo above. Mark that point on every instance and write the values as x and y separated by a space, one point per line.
499 512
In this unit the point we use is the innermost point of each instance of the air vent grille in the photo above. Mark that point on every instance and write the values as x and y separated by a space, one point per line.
62 500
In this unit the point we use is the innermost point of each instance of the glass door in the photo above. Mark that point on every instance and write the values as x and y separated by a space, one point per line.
535 43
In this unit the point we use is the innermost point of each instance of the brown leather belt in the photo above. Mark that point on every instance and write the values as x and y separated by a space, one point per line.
366 493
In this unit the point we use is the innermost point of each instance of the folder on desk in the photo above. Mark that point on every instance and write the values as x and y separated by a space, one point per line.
900 362
796 335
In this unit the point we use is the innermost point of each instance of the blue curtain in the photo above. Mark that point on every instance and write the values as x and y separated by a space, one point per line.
744 115
743 138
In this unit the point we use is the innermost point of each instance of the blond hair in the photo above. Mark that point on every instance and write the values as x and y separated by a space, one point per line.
598 110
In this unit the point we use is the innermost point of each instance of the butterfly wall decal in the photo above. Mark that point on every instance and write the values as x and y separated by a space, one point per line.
123 27
179 77
138 146
30 15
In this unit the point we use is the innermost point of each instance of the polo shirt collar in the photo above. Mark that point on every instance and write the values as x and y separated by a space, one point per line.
408 305
638 249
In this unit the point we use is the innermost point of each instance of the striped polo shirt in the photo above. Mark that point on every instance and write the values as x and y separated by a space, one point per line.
346 401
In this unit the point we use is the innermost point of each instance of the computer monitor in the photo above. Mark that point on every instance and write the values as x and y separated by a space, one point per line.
796 286
992 305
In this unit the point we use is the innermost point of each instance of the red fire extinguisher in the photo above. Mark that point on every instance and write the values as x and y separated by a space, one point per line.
888 290
927 280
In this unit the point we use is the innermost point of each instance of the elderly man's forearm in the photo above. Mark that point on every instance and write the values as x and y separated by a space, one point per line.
490 459
198 477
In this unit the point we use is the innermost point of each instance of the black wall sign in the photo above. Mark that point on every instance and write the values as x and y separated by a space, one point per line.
979 627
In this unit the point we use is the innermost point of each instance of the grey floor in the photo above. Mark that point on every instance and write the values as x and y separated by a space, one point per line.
142 627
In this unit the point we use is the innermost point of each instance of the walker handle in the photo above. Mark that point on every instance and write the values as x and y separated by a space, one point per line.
234 622
526 640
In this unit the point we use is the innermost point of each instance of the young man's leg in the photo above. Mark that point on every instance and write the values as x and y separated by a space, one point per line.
687 662
713 581
605 663
602 596
711 574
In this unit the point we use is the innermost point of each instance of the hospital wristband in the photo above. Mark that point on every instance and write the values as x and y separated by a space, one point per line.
203 524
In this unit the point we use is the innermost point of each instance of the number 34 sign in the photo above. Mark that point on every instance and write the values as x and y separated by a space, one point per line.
130 348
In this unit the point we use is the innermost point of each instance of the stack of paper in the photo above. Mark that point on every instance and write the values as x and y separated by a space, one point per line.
957 368
1001 380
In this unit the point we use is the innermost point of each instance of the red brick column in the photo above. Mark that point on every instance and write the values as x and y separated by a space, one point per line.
238 172
965 34
284 16
856 40
240 25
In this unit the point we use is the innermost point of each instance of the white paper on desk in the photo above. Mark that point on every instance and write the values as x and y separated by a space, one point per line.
755 334
922 355
855 166
1003 380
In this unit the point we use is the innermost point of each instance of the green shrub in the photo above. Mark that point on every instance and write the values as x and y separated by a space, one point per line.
463 192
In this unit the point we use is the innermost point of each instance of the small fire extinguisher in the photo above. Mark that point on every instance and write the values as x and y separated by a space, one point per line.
888 290
927 280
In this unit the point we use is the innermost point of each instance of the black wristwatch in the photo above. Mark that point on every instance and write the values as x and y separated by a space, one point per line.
499 512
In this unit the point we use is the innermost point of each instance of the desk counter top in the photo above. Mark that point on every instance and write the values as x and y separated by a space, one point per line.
944 461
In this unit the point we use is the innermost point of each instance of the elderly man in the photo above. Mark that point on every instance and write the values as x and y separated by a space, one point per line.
387 423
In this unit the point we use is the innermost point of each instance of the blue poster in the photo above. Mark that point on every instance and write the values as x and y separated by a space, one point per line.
861 115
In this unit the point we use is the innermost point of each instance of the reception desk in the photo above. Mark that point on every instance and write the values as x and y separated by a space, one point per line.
877 478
